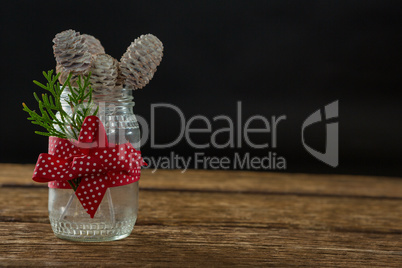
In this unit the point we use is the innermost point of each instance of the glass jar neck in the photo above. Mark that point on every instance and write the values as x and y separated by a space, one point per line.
111 102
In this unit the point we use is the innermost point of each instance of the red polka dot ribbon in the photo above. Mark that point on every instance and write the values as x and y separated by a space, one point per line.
99 164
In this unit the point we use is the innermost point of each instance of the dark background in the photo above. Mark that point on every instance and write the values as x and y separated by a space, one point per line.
277 57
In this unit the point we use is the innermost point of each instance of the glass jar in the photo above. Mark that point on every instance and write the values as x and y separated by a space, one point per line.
117 212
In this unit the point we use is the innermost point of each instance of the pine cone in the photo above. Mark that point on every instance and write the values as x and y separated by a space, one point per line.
94 45
139 62
103 72
71 52
64 75
120 78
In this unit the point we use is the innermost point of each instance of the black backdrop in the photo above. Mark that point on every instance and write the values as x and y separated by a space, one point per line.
276 57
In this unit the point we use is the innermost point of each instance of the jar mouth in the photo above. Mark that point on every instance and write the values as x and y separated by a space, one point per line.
121 96
108 97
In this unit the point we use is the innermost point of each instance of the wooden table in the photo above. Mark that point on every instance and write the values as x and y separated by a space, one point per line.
219 218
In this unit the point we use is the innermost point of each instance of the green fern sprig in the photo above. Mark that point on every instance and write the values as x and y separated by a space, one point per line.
52 117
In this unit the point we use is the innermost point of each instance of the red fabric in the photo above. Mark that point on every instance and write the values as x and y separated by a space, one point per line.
99 165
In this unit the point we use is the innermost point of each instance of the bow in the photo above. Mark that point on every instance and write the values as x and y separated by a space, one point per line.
99 164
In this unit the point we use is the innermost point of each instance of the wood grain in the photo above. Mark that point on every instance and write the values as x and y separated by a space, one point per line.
179 246
241 181
219 218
